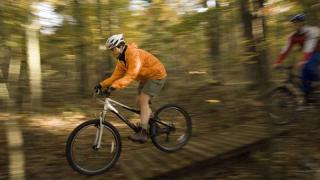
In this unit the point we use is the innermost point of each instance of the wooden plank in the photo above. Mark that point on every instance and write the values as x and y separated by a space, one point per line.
149 161
185 153
146 164
248 134
235 139
251 128
180 159
203 145
128 168
224 140
162 158
198 150
218 145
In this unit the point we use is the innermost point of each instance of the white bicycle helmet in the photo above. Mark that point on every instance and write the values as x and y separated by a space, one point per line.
114 41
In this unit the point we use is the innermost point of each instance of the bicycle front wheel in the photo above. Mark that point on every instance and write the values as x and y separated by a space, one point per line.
171 129
281 106
82 152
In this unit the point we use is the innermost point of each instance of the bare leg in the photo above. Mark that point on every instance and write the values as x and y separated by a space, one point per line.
145 110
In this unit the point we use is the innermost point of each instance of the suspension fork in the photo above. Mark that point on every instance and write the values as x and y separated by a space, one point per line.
100 130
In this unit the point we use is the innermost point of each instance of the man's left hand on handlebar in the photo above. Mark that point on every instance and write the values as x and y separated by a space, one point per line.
98 89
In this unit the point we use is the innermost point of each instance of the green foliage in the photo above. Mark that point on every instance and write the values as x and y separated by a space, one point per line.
210 41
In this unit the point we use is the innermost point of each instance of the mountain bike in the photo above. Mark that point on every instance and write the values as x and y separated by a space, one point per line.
283 100
94 146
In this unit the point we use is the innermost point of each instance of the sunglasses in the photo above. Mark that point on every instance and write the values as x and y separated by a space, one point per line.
112 49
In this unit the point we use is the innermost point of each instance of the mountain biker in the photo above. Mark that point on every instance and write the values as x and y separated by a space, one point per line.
308 38
135 64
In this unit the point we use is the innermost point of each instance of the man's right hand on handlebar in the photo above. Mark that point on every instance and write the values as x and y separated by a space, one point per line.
110 89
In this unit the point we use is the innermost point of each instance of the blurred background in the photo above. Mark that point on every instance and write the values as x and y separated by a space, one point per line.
218 55
53 48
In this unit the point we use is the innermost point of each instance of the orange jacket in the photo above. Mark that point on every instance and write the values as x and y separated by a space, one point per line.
140 65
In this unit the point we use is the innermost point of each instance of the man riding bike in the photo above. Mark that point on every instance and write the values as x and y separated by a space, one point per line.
308 38
135 64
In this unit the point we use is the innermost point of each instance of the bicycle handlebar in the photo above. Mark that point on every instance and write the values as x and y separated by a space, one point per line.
97 94
104 93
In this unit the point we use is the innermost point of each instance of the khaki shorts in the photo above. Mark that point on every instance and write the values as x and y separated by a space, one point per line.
152 87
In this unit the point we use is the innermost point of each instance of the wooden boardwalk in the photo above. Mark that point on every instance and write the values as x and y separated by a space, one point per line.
146 163
151 163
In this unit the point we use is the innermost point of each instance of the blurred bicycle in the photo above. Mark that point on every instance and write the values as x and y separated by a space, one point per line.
94 146
283 101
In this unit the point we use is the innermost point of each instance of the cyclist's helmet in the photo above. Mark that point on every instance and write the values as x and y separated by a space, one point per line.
297 18
114 41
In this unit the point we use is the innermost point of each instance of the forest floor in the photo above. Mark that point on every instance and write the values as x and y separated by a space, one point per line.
295 155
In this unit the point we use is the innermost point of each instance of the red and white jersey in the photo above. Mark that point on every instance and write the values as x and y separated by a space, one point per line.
307 37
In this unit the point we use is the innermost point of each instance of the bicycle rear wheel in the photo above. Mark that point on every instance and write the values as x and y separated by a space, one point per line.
82 152
171 129
281 106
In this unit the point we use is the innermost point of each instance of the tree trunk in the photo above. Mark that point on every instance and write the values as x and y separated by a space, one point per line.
80 49
213 33
105 61
251 64
262 47
255 32
34 64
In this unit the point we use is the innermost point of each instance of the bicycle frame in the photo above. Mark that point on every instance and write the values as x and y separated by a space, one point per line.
109 106
292 78
294 82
